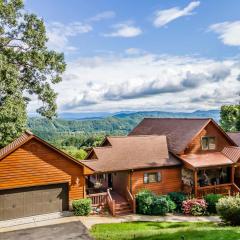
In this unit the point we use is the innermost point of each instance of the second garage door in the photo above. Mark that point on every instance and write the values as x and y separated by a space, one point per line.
24 202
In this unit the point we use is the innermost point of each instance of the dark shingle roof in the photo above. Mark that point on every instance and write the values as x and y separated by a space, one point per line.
179 131
232 153
132 152
235 136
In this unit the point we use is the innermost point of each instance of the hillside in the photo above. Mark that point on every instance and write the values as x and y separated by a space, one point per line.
117 124
74 133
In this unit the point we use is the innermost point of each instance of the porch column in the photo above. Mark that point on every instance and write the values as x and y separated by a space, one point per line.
232 174
195 182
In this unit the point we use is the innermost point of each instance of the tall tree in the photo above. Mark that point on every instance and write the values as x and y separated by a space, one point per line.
27 67
230 118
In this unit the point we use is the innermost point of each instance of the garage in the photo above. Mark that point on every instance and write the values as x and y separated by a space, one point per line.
24 202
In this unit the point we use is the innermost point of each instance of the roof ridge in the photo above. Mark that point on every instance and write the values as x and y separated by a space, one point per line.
141 135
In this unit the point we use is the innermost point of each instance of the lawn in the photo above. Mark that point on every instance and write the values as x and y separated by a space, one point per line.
165 231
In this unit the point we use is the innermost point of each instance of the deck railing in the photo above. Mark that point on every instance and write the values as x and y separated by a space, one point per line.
224 189
235 189
98 199
110 202
131 199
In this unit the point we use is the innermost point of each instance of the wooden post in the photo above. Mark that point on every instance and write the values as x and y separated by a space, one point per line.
232 174
195 182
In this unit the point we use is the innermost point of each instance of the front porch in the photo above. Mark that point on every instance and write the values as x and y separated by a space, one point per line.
209 173
111 190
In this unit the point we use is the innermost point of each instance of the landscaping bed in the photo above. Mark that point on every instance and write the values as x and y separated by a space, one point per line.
165 231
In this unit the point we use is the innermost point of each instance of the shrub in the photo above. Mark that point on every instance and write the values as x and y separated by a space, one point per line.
160 205
212 200
171 204
82 207
178 198
150 204
229 209
144 201
196 207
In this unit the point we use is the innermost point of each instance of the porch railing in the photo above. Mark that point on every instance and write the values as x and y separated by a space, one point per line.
235 189
131 199
224 189
98 199
111 203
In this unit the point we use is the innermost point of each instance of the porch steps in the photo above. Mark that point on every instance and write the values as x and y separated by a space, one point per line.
122 207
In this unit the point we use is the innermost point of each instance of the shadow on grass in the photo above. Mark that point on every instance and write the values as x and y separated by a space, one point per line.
165 231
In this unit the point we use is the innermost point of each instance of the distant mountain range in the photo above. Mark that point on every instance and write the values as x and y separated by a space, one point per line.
100 115
120 123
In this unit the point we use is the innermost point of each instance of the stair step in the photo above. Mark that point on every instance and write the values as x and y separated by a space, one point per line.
122 204
118 213
122 207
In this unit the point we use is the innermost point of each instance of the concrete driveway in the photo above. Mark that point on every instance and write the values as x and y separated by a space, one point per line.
64 231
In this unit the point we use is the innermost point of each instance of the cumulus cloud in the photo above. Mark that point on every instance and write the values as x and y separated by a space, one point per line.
163 17
102 16
125 30
229 32
59 34
147 81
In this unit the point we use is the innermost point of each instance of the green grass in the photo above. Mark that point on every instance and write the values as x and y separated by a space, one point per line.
165 231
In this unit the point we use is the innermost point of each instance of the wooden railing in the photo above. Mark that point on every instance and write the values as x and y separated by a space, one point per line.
110 202
131 199
224 189
98 199
235 189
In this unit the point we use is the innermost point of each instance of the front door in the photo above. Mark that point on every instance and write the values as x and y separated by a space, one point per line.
110 180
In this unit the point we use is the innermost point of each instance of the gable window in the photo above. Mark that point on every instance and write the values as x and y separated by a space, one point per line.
152 177
208 143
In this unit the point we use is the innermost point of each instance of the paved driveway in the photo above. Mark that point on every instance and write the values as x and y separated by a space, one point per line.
64 231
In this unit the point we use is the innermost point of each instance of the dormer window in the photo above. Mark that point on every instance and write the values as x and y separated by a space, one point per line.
208 143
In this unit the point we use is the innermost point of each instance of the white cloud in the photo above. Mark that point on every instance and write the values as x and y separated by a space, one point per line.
59 34
229 32
147 82
163 17
126 30
102 16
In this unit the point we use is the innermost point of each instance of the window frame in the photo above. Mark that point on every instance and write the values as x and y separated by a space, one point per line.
208 137
158 177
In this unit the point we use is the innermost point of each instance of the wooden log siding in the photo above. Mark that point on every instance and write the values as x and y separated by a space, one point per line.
36 164
170 181
210 131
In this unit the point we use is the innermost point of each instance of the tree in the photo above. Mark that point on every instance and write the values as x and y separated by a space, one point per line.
230 117
27 67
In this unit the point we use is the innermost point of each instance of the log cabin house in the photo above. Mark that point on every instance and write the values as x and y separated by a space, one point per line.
163 155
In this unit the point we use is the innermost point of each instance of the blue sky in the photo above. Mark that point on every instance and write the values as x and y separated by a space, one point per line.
144 55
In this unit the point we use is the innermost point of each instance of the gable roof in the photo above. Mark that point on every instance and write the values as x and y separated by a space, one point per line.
235 136
179 131
27 136
132 152
232 153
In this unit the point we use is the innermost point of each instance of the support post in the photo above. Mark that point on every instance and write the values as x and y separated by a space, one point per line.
195 183
232 174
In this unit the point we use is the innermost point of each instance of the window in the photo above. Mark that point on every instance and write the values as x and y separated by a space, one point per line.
152 177
208 143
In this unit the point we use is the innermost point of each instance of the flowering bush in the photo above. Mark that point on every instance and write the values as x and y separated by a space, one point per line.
229 209
195 207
